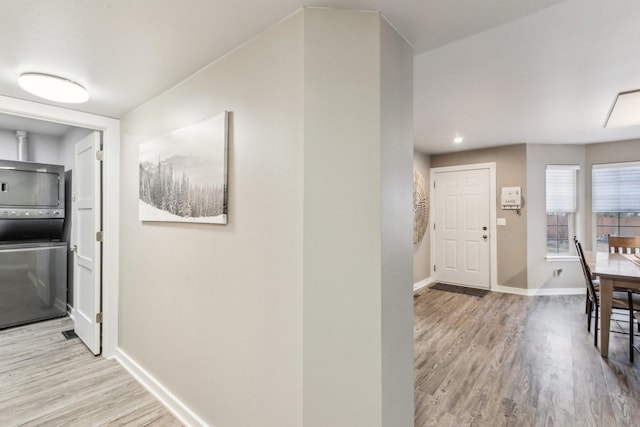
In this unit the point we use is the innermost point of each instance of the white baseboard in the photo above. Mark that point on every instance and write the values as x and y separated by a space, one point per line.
422 283
168 399
557 291
510 290
539 292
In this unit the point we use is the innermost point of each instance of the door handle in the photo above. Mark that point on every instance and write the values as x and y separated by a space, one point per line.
484 236
74 248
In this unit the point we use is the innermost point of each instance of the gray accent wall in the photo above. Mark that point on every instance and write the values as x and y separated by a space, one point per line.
522 260
541 275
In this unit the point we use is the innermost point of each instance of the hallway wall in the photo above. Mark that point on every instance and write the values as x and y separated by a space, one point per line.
214 312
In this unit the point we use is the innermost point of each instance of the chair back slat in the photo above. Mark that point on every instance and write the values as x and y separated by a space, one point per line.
624 245
586 270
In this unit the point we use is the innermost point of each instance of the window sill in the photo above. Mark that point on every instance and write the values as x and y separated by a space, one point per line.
561 258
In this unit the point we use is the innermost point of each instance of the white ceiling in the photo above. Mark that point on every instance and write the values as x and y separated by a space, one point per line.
496 71
428 24
12 123
550 77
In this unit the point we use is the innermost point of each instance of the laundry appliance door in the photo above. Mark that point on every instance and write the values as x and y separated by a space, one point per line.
33 282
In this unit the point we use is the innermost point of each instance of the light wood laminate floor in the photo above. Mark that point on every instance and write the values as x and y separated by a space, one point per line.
509 360
47 380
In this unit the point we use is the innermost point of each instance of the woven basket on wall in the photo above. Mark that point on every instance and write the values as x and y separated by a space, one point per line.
420 207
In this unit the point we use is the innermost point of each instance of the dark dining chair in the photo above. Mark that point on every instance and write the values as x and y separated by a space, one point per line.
587 271
632 315
628 301
592 296
624 245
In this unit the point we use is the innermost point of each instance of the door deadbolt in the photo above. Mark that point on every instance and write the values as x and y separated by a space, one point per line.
484 228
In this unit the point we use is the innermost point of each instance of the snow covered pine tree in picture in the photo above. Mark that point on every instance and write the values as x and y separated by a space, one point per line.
183 174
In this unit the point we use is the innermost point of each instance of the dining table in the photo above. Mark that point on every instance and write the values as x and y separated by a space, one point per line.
619 271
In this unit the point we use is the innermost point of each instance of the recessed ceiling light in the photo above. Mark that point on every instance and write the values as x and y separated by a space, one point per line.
625 110
458 139
53 88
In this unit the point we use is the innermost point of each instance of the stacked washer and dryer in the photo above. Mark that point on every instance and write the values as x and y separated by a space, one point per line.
33 255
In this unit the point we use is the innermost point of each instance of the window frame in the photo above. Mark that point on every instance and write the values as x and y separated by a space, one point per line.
573 215
594 215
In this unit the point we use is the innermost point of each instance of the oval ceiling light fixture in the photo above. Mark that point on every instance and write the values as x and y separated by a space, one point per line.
458 139
53 88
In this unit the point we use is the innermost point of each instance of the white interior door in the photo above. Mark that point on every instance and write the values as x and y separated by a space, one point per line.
461 233
87 258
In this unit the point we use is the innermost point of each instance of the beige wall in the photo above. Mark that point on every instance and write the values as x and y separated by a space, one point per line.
357 222
607 152
299 311
511 169
540 269
341 161
421 251
215 312
396 190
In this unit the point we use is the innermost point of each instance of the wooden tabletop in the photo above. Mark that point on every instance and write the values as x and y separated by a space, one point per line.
617 266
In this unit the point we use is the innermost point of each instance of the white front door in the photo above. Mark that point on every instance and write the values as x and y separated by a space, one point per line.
87 259
461 233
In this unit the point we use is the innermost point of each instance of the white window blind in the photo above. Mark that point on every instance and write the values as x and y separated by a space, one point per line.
616 187
561 188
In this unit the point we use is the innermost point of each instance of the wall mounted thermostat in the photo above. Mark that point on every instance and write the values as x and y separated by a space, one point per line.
511 198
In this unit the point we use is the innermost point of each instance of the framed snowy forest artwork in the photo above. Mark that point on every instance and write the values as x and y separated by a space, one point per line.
183 174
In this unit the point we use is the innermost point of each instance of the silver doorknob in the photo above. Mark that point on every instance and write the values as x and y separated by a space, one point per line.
74 248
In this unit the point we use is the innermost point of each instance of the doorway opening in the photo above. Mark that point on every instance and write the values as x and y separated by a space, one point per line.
107 130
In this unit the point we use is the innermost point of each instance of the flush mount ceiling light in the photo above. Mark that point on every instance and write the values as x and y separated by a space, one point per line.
458 139
53 88
625 110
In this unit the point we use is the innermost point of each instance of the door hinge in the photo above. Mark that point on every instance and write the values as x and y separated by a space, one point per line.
99 236
434 267
434 225
100 155
99 317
